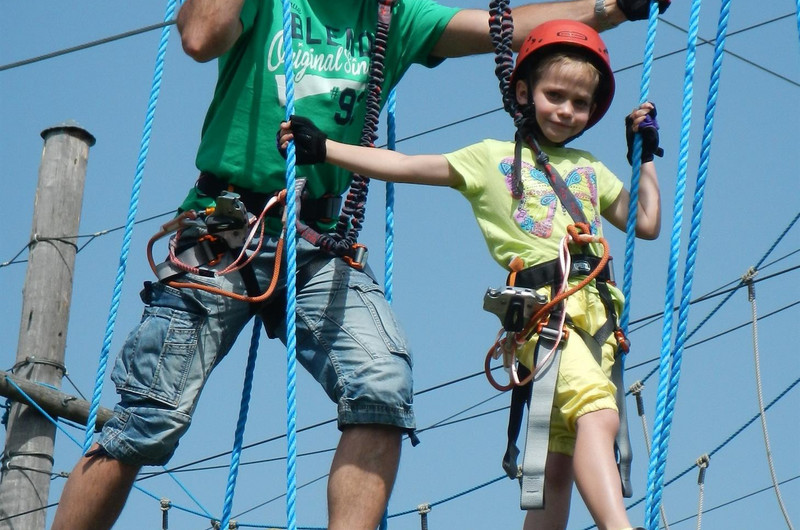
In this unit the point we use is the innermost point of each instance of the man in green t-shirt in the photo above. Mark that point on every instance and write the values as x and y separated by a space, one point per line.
347 336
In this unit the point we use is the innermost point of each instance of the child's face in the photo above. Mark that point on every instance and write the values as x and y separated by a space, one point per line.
563 101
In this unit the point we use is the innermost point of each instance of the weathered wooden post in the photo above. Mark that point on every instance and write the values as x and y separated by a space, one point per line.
27 459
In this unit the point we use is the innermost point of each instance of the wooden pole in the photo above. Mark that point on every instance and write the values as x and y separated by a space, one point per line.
54 402
27 459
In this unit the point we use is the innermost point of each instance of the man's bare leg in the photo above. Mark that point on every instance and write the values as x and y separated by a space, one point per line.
362 476
95 493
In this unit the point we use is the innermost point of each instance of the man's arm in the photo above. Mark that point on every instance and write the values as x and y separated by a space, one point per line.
209 28
467 33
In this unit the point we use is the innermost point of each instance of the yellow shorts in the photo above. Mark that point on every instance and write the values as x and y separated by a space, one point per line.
582 385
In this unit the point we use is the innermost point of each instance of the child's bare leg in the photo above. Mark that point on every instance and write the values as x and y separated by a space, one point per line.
558 490
595 469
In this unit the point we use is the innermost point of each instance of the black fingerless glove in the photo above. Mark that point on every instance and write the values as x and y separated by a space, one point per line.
640 9
309 141
649 131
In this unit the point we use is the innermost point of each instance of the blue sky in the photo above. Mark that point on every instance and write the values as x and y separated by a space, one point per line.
442 268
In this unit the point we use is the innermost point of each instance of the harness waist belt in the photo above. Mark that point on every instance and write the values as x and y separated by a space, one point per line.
323 209
549 273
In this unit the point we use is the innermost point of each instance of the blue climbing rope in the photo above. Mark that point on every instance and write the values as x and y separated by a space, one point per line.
798 17
291 282
680 192
388 257
130 221
244 408
668 383
633 205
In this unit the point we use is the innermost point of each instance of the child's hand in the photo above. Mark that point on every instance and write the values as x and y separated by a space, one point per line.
309 141
643 121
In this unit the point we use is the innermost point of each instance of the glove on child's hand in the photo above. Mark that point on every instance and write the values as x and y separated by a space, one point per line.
640 9
649 131
309 141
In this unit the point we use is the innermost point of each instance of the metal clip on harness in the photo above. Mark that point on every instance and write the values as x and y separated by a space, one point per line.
506 345
227 222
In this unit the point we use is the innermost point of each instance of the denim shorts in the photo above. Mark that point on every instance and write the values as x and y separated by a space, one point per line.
347 338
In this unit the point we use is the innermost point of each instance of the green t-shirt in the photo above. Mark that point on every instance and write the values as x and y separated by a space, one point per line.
531 228
331 47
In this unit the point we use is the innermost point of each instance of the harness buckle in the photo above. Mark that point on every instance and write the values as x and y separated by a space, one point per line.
206 243
580 267
550 333
622 341
357 256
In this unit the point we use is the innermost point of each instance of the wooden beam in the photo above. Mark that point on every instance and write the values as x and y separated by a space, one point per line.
54 402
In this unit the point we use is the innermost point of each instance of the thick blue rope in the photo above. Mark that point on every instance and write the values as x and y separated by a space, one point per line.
798 17
291 283
677 222
680 192
244 408
388 258
680 182
126 240
666 403
633 205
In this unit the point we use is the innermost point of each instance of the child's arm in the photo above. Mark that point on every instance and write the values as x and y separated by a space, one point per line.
381 164
648 213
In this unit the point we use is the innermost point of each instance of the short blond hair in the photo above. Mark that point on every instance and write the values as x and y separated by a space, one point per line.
566 61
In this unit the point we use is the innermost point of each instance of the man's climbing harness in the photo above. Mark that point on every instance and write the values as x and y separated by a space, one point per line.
221 235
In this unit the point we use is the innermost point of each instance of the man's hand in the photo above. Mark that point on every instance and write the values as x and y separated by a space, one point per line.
309 141
640 9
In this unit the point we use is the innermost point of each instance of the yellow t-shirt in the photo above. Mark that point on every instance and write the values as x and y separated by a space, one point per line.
531 227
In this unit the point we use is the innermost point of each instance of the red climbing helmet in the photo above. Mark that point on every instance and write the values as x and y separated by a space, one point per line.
570 35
